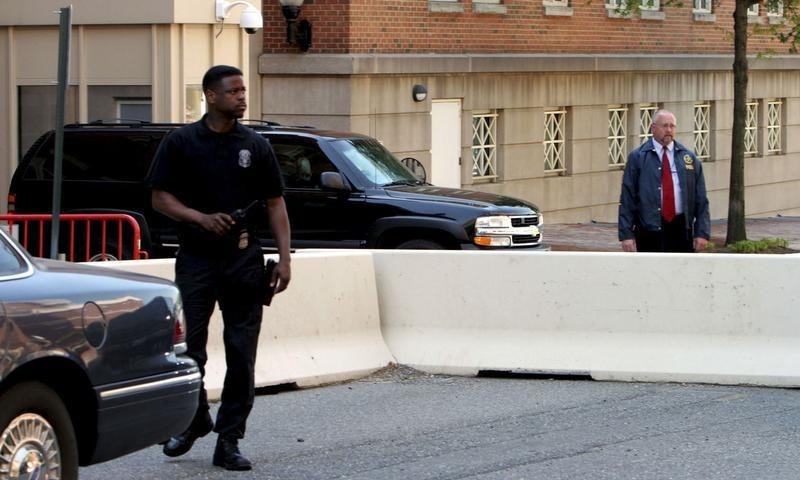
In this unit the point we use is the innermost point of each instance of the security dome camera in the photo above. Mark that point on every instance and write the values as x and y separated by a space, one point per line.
251 20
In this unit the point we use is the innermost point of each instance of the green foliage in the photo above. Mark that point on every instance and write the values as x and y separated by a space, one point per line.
756 246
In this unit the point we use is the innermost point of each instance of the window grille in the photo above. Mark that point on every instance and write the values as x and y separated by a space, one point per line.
702 131
775 9
650 5
751 129
554 141
774 126
484 145
702 6
617 142
613 3
646 113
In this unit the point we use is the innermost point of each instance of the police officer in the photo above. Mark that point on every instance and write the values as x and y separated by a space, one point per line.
203 172
663 205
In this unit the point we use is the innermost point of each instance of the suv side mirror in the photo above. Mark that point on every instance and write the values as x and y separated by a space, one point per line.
333 181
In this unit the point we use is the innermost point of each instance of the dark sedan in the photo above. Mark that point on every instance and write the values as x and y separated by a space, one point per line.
91 364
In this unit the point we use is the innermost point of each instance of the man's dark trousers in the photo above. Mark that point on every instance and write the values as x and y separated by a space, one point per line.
231 277
673 237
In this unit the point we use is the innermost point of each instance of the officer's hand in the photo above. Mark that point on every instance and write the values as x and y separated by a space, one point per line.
281 276
629 245
219 223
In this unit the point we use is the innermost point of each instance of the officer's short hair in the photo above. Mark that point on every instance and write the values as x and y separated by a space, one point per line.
215 74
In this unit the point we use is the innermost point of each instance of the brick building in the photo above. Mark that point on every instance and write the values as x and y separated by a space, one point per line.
540 99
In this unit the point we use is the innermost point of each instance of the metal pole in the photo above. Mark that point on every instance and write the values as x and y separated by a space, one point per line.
65 33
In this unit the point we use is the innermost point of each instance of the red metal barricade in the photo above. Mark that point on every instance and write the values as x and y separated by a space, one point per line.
84 236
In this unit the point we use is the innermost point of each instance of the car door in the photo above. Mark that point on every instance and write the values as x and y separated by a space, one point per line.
319 218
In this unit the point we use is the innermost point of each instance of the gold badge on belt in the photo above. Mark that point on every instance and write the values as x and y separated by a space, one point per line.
689 161
244 239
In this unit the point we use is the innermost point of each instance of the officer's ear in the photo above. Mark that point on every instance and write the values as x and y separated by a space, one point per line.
211 96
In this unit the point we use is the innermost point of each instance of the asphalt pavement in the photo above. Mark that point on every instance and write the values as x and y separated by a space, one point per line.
401 424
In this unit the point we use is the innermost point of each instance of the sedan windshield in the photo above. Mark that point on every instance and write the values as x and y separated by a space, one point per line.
376 163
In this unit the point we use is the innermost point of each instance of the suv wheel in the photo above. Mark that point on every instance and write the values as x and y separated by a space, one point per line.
420 244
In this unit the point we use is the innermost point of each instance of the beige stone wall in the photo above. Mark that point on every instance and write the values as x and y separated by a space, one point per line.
371 95
162 45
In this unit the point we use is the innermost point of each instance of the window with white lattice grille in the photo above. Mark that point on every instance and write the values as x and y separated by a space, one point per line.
775 9
652 5
702 131
646 113
775 12
751 129
702 11
702 6
774 126
617 135
484 145
554 124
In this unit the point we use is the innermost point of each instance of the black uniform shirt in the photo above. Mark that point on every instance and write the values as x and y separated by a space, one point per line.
215 172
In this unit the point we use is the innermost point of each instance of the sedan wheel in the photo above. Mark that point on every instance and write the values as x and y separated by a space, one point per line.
37 440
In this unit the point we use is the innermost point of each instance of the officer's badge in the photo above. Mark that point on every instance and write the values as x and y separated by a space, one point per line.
244 158
244 240
689 161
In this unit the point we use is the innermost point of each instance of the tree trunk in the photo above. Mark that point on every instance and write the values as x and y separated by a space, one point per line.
736 211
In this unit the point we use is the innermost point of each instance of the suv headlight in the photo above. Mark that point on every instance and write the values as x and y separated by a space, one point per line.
493 222
493 231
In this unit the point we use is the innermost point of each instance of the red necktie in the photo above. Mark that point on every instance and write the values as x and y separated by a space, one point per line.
667 189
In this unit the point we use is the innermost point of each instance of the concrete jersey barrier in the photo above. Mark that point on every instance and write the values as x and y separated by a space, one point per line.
716 318
713 318
325 328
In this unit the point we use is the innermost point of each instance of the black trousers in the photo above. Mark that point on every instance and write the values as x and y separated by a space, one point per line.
232 278
673 237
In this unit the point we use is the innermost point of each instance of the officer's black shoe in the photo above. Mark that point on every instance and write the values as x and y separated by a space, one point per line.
178 445
228 456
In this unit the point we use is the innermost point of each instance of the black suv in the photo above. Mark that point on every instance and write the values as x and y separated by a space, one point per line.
343 190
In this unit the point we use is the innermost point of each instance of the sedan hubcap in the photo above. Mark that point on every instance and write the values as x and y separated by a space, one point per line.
29 450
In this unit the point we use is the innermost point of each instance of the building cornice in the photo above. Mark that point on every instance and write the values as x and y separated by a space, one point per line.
432 64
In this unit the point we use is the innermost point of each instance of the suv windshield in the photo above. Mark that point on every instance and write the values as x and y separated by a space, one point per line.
376 163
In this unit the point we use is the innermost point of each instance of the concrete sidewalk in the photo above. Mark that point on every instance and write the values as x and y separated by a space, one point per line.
602 237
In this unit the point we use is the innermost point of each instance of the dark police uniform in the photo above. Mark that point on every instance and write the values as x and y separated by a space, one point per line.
220 172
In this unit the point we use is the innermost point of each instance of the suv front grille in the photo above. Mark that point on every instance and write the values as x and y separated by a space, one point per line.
527 221
518 240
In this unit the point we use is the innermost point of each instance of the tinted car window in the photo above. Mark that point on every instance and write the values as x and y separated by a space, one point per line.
376 163
11 262
301 165
92 156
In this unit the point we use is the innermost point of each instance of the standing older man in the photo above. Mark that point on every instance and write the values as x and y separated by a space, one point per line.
663 205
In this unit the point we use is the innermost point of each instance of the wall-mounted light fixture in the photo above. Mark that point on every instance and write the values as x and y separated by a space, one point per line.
419 93
250 20
297 33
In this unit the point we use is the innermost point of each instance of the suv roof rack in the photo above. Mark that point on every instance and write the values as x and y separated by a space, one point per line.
270 125
120 123
255 121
